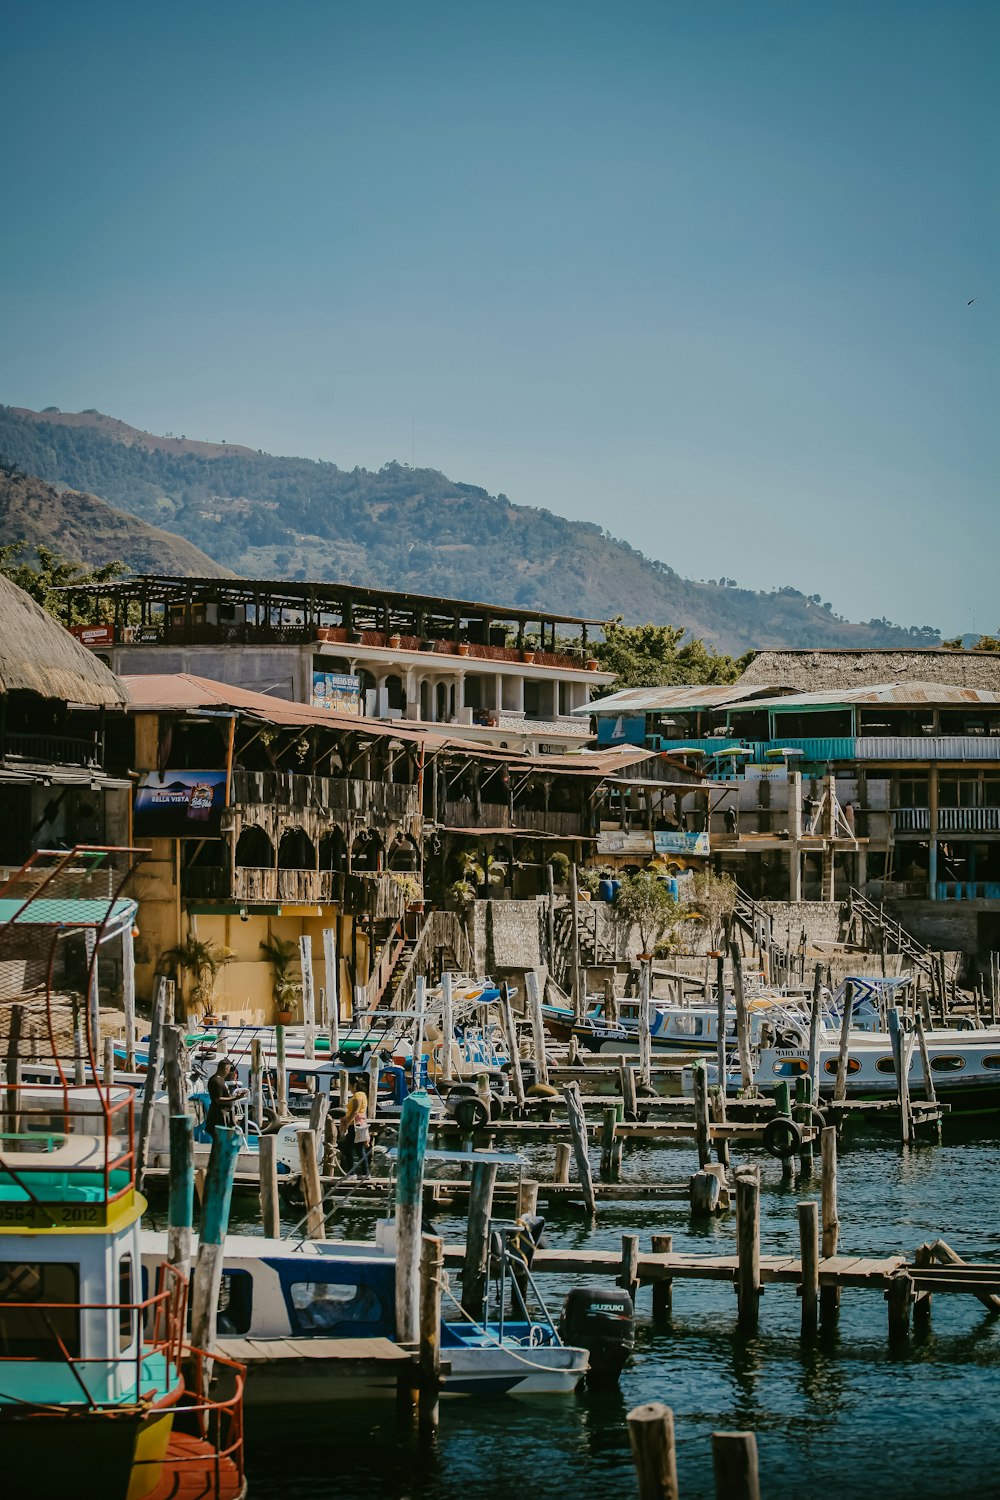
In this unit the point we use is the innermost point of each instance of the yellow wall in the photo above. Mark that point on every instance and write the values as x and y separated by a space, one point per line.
243 991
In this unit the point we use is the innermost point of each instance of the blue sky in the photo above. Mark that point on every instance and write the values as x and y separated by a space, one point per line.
696 271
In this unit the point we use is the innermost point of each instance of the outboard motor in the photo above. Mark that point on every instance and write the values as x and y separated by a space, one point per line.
602 1322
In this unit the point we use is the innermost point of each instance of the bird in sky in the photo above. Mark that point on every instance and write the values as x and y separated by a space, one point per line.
970 301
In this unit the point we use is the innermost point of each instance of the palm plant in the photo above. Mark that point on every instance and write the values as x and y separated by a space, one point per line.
202 960
282 954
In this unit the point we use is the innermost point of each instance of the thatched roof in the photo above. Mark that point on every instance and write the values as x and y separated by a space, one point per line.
38 656
823 671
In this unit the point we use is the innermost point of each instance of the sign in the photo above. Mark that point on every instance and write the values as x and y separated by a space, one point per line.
339 691
94 635
179 804
768 772
673 841
616 841
626 729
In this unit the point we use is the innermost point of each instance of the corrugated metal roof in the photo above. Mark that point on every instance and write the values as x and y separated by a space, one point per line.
900 693
648 700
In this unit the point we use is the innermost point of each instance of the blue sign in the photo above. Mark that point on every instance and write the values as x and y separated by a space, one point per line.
179 804
623 729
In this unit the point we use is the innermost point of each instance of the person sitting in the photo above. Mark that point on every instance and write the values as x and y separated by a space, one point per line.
223 1092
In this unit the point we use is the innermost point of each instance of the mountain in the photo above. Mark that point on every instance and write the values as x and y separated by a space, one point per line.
89 531
405 528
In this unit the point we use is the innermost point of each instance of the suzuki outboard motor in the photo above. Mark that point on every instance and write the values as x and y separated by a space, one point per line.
602 1322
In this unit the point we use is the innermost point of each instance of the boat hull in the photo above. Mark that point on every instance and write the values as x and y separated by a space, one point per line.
91 1455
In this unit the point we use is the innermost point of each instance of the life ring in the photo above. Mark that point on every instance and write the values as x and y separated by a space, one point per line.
782 1138
816 1116
964 1023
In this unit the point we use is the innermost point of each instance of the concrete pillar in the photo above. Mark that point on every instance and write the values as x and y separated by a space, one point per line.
794 835
498 690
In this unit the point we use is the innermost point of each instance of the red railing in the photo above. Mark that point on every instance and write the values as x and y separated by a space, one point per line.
65 1105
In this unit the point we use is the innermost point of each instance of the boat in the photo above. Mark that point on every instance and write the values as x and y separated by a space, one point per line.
291 1308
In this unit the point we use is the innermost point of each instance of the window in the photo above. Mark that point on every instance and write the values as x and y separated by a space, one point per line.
789 1067
885 1065
235 1307
951 1063
325 1306
28 1332
126 1297
992 1060
853 1065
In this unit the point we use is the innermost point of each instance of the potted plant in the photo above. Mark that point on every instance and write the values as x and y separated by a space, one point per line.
527 655
282 954
201 961
463 648
462 893
395 640
560 867
411 888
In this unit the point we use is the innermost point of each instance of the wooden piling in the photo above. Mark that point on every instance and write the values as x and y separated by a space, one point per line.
717 1115
578 1138
308 996
331 990
431 1277
447 1027
318 1109
645 1038
516 1076
374 1068
412 1143
705 1189
663 1290
180 1213
651 1438
257 1082
267 1166
899 1298
128 997
829 1297
808 1216
628 1278
900 1062
175 1058
475 1267
79 1042
630 1098
151 1083
537 1025
748 1282
207 1278
701 1122
734 1464
742 1021
840 1087
527 1197
312 1190
12 1075
563 1153
608 1142
579 999
108 1066
281 1071
721 1021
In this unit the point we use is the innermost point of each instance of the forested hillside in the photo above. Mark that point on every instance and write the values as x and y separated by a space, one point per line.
405 528
86 530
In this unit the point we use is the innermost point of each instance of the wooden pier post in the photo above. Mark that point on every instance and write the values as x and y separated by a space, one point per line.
829 1297
151 1083
267 1166
651 1438
721 1021
312 1189
477 1239
734 1463
563 1153
628 1278
108 1065
374 1068
128 997
663 1289
331 990
900 1062
705 1189
308 996
608 1142
175 1057
578 1137
630 1098
748 1282
701 1121
815 1015
413 1121
257 1082
808 1216
645 1039
527 1197
742 1022
447 1026
207 1278
537 1025
79 1042
431 1276
417 1052
899 1298
281 1071
840 1087
579 999
180 1214
516 1076
610 1002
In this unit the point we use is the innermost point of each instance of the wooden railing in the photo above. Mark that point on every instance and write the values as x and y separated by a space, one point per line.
336 794
460 814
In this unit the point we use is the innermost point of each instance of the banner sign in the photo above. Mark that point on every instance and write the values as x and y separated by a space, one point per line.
615 841
179 804
626 729
673 841
766 772
339 691
94 635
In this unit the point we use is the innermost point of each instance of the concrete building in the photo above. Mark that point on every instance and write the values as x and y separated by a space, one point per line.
508 678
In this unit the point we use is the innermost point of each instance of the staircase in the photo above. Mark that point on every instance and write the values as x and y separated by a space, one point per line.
594 950
881 926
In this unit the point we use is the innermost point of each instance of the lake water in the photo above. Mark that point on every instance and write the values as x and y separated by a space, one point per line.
846 1417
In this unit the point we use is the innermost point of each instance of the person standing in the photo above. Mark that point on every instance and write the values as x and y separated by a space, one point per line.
223 1092
354 1133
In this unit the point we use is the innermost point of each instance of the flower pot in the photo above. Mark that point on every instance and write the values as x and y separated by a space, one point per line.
527 656
463 648
395 641
592 664
285 1017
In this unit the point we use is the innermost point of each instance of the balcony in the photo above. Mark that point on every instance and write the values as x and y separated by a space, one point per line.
955 747
564 825
390 800
950 819
51 749
967 890
254 885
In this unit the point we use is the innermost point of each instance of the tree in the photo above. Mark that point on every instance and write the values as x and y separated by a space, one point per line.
52 572
713 898
644 901
202 961
652 656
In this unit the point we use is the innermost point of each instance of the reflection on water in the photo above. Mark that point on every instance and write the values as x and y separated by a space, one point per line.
845 1416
